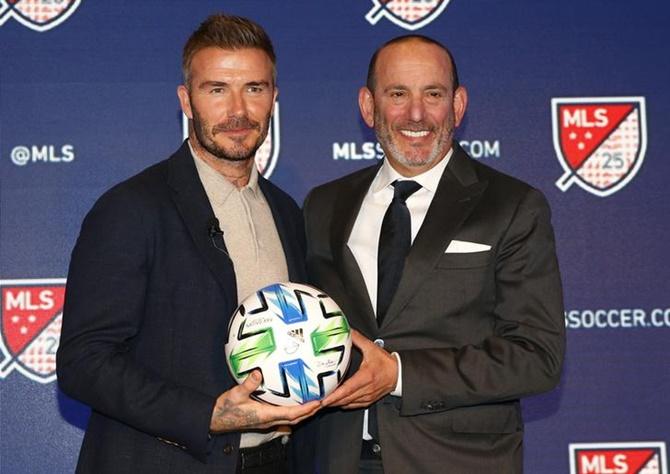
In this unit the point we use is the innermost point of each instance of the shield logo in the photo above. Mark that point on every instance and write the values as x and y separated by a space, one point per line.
600 141
38 15
624 458
267 153
31 319
408 14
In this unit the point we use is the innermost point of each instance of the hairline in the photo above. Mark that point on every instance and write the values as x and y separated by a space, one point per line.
228 33
186 68
371 77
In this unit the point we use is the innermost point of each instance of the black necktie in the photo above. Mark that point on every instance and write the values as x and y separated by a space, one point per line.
394 242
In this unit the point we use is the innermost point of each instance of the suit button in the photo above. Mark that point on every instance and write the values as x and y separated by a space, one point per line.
376 449
379 343
228 449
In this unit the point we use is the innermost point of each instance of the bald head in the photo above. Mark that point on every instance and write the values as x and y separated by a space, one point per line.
407 40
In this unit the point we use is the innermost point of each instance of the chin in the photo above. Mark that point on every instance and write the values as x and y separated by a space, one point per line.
417 162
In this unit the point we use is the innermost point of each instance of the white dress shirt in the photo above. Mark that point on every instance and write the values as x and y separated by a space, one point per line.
364 239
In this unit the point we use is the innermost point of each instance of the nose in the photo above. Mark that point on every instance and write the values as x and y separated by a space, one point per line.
416 109
238 105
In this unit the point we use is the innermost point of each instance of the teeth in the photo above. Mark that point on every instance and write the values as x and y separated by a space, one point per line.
413 134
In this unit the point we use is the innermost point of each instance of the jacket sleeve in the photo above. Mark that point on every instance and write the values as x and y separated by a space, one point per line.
104 308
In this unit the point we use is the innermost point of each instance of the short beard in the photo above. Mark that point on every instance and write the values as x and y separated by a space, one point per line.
385 137
237 153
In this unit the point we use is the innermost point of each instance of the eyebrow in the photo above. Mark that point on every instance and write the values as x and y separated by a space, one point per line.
208 84
258 83
426 88
395 88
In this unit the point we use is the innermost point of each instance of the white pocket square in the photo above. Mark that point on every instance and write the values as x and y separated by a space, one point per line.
463 246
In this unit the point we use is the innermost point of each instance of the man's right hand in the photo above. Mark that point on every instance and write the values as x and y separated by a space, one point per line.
235 410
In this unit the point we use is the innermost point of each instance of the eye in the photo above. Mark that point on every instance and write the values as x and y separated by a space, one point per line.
397 94
255 89
216 90
435 94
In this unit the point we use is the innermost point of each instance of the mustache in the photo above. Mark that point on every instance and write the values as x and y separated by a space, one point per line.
236 123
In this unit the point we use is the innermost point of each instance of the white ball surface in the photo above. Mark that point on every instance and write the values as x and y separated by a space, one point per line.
298 338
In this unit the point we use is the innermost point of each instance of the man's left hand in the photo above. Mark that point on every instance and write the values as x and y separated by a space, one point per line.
376 377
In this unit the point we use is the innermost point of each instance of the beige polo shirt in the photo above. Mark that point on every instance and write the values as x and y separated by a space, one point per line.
252 242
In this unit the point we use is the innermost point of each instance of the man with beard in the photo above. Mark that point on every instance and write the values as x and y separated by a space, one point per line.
158 269
449 267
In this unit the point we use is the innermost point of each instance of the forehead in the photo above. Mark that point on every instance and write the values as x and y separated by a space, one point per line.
248 63
412 62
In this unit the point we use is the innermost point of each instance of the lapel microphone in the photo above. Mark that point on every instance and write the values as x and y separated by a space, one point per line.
216 236
213 228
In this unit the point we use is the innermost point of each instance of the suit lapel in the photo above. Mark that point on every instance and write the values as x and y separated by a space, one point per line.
348 204
193 205
457 194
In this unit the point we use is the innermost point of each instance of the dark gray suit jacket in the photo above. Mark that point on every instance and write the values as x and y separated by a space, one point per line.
148 300
475 331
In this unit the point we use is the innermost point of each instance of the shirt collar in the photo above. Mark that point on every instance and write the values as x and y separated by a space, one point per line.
428 179
216 185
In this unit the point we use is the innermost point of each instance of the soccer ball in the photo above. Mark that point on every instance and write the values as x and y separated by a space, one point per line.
297 336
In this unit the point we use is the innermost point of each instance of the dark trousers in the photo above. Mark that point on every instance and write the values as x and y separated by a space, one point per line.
370 466
371 460
268 458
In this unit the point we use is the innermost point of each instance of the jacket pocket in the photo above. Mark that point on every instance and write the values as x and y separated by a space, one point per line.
465 260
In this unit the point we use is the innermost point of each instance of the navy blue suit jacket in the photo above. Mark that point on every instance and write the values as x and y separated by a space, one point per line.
148 301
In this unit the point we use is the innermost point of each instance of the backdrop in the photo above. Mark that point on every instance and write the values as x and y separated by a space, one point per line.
571 96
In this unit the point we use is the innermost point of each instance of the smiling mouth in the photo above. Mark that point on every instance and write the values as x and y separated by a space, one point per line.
414 133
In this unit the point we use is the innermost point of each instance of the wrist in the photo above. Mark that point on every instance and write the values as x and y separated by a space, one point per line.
396 390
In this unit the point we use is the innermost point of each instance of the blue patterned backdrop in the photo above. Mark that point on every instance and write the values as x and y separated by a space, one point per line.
87 98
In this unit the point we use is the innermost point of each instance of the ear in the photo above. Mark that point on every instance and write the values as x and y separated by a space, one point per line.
460 104
366 103
185 101
275 94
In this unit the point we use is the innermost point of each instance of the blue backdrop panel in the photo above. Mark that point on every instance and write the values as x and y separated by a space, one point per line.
87 98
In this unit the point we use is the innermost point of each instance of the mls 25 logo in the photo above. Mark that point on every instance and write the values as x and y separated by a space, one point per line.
38 15
600 141
408 14
267 153
31 315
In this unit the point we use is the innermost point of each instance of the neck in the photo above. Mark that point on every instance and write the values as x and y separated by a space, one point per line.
237 172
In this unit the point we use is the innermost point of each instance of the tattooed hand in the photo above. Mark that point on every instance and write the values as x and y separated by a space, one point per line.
235 410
